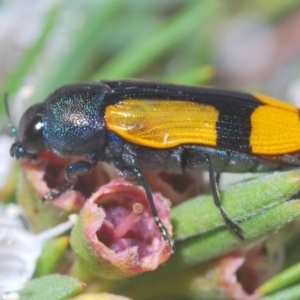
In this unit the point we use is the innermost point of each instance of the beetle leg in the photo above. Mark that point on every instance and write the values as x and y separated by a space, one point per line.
216 195
73 171
56 192
218 178
162 229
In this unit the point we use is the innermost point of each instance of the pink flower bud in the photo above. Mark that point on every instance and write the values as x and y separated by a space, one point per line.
48 171
117 236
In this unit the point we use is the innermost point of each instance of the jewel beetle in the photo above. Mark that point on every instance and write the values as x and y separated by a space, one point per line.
141 125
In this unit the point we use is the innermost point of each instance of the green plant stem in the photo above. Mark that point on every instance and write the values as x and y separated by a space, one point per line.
51 256
142 51
283 279
291 293
71 63
199 215
25 64
222 240
196 76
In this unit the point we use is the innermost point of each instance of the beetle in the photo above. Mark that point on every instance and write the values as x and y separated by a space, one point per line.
141 125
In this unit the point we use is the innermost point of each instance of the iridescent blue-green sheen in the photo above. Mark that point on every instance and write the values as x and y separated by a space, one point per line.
73 120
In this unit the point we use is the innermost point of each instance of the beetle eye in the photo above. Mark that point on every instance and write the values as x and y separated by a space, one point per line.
33 135
34 128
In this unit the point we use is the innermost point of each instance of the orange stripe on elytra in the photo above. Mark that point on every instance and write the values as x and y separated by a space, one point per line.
163 124
275 129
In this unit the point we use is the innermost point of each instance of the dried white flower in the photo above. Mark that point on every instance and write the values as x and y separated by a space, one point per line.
20 249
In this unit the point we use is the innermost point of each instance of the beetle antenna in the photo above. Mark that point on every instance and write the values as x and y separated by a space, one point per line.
12 127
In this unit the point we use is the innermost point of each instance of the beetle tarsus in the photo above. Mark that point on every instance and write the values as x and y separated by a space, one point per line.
233 226
56 192
165 234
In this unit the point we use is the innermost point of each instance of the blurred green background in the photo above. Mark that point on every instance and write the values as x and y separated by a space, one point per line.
244 45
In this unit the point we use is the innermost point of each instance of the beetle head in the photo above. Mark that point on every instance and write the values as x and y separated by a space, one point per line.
29 138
